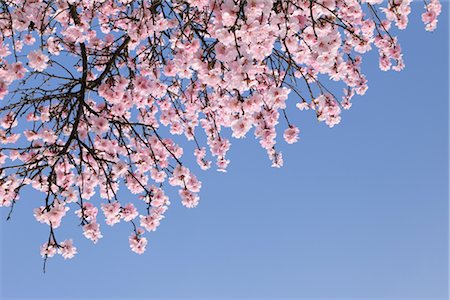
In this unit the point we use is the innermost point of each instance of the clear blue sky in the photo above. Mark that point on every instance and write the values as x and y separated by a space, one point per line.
358 211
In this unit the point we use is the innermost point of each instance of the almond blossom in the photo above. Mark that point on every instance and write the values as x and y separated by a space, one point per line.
67 250
291 134
138 244
37 60
98 97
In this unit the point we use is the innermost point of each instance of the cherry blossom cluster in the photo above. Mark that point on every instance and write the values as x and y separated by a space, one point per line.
433 10
96 94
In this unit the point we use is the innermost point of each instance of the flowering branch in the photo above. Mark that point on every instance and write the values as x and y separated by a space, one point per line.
86 88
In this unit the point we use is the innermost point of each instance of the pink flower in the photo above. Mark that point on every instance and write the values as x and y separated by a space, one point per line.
240 127
158 198
303 106
158 176
53 46
150 222
188 198
28 39
99 125
137 244
92 231
129 212
48 250
277 159
88 212
291 134
222 164
37 60
193 184
67 250
180 174
111 212
51 216
18 70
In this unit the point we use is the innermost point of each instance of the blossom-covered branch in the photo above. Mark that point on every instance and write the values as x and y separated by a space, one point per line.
88 88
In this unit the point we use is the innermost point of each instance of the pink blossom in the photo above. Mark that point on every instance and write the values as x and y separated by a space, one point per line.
158 198
48 250
67 250
137 244
92 231
88 212
29 39
303 106
37 60
188 198
51 215
111 212
240 127
18 70
129 212
100 125
53 46
150 222
291 134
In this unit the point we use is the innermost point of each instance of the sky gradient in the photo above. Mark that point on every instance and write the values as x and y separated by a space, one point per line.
358 211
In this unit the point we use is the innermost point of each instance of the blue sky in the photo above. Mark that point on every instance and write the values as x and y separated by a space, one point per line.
358 211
